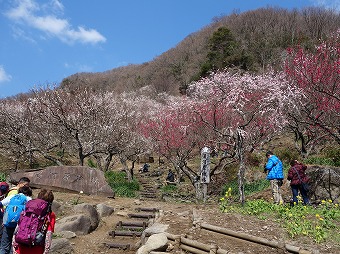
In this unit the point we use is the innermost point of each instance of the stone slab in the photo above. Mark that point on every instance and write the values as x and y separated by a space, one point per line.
67 178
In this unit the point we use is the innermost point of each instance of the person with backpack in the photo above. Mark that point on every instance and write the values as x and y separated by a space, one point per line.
297 178
33 234
15 204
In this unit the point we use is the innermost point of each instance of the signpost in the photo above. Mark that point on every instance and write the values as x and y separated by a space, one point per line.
205 170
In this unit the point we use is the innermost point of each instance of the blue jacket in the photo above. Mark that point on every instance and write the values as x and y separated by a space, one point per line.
275 168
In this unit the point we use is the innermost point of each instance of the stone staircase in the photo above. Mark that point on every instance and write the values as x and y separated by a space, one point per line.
150 185
129 234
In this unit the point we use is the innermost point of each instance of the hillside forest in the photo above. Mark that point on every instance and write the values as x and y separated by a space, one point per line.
234 86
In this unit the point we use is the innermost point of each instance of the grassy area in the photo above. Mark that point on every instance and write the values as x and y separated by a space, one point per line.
120 185
320 223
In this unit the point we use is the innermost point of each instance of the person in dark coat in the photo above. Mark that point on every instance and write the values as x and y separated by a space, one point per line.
297 176
170 177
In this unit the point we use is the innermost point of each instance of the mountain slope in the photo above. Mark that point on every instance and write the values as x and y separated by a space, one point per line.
262 36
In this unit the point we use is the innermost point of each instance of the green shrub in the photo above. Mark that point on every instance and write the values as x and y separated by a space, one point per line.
169 188
319 223
320 161
2 177
91 163
256 186
120 185
334 155
249 188
287 154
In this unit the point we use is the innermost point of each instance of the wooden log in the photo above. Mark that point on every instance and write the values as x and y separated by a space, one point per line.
195 244
133 223
118 246
125 233
191 249
254 239
147 209
139 215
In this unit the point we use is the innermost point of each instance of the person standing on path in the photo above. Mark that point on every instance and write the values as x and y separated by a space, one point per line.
23 196
48 196
297 176
274 167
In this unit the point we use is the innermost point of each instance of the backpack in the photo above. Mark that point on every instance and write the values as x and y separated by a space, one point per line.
32 225
13 210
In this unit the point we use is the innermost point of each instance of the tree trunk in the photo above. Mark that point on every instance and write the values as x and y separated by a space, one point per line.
126 169
107 161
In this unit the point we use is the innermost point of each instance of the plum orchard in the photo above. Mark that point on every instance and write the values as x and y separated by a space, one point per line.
234 112
317 72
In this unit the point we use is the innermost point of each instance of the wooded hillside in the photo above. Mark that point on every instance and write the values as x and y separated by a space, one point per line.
252 41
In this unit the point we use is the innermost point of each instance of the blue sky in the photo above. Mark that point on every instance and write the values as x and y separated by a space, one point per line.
42 42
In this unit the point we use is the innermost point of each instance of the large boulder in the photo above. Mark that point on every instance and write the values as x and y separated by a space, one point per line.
79 224
324 182
67 178
90 211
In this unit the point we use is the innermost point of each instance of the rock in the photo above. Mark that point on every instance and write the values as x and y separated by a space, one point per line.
61 246
324 182
79 224
56 207
90 211
104 210
67 178
156 228
156 242
67 234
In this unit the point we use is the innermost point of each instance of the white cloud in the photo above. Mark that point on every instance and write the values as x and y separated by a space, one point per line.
329 4
26 13
3 75
79 67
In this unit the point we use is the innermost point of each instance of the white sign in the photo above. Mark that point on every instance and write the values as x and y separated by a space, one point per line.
205 165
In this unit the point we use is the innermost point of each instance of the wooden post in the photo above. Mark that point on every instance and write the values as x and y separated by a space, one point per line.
177 241
213 249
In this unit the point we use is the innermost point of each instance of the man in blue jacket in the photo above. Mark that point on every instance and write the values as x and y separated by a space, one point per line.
274 167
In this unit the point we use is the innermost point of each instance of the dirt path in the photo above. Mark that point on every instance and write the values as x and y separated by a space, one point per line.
179 217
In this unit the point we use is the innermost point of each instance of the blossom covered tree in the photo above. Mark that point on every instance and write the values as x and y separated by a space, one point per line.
317 73
16 140
177 134
243 109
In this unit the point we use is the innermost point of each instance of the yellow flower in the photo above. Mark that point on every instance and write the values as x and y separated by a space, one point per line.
323 201
317 215
320 218
330 201
290 215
